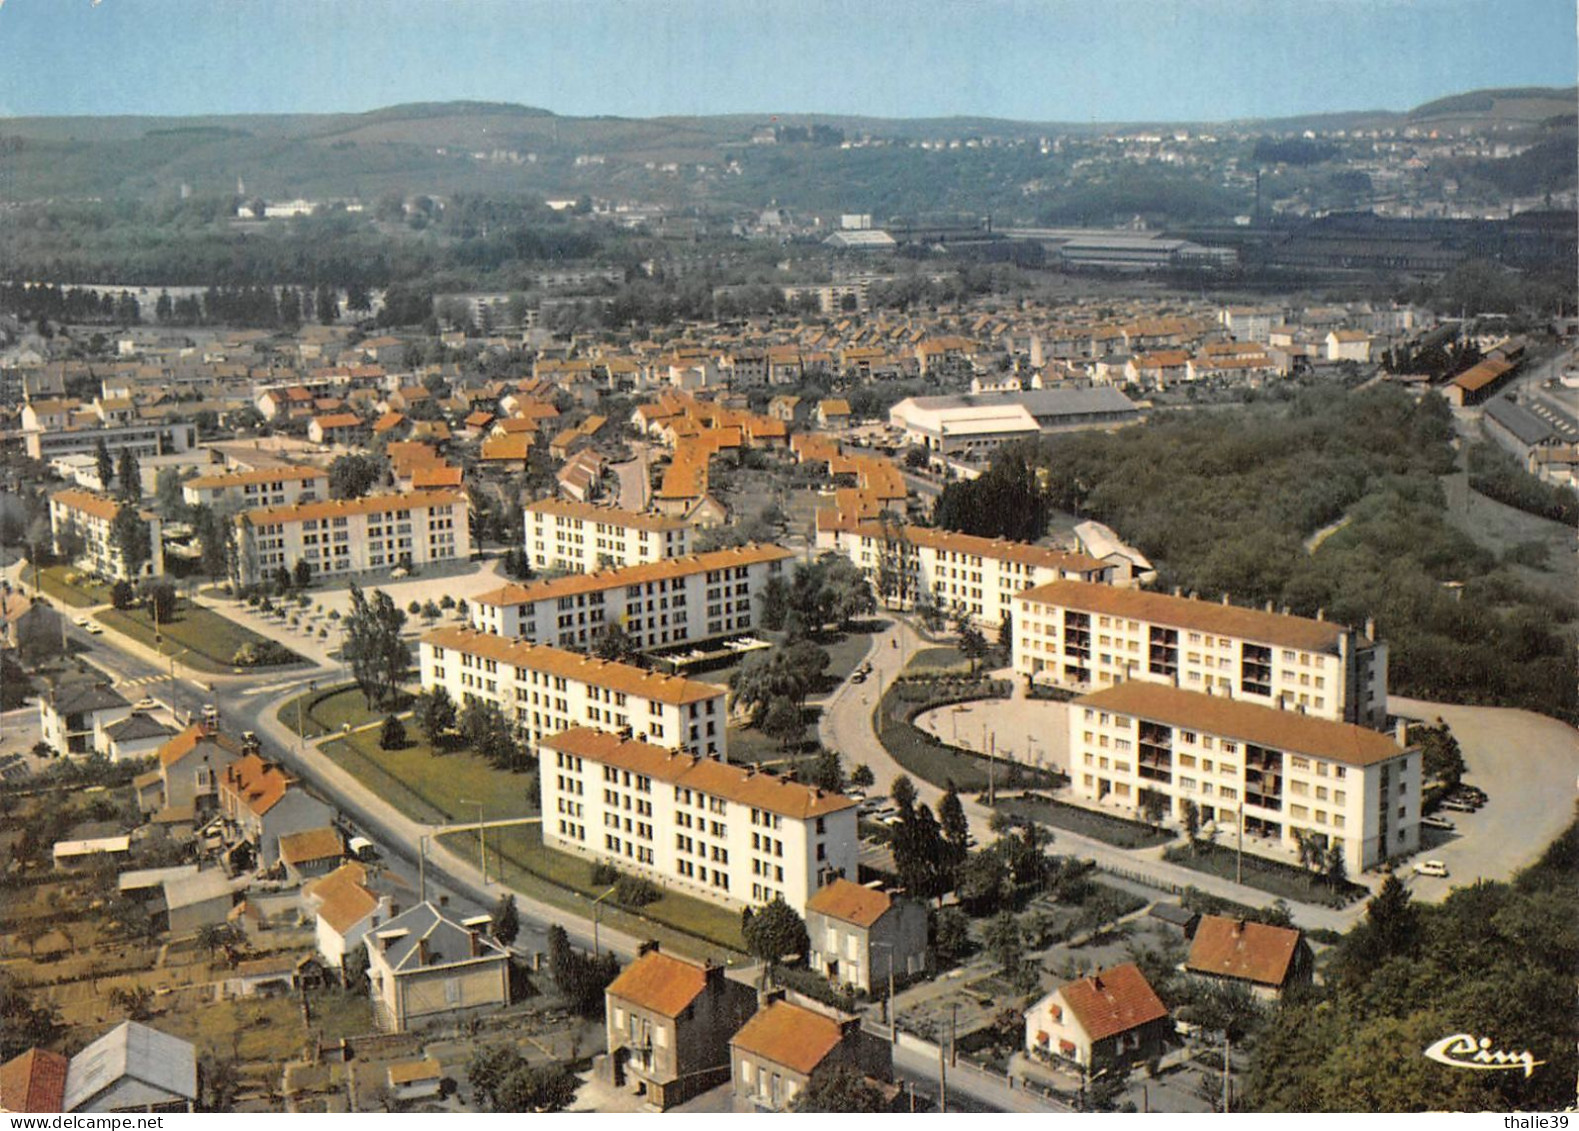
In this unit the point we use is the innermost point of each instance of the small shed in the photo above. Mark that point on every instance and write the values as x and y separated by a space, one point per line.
415 1079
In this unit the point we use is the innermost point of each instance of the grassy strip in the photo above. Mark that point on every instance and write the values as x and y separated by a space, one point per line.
1272 876
210 640
566 881
1106 827
82 594
925 756
329 709
429 787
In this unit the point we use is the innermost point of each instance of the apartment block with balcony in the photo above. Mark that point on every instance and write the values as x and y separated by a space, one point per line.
92 518
347 536
981 575
1271 773
1081 637
545 691
583 537
674 601
732 835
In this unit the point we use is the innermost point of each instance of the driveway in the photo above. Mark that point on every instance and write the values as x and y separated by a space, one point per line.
1528 764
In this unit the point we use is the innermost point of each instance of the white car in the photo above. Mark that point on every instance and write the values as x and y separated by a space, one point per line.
93 628
83 622
1431 868
146 705
1442 823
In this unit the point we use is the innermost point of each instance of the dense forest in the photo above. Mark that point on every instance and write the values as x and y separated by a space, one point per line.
1495 960
1223 503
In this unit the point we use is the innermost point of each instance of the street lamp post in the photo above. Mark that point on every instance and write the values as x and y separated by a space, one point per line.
482 838
596 914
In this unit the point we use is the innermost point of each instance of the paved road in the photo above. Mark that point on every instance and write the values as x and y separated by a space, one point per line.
1528 765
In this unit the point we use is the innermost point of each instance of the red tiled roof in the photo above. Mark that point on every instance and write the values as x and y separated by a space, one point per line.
33 1082
659 983
850 903
1233 948
1113 1001
791 1035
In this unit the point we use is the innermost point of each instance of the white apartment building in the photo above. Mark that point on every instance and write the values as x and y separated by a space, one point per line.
545 691
674 601
93 517
982 574
564 534
263 487
732 835
1077 636
1272 771
344 536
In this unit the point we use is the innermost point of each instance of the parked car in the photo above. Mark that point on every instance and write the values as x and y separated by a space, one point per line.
1431 868
1438 823
1458 806
83 622
146 704
858 677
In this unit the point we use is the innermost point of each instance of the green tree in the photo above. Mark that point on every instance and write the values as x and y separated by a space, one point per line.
861 777
122 594
373 647
951 934
536 1088
129 535
775 598
826 772
1004 941
436 715
160 598
302 575
774 931
840 1088
170 500
104 463
353 475
129 472
23 1024
782 722
392 735
973 645
955 828
505 924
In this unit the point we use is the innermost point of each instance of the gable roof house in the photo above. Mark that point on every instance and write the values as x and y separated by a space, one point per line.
1265 958
423 964
861 935
264 803
34 1081
1110 1017
133 1067
775 1053
345 907
669 1023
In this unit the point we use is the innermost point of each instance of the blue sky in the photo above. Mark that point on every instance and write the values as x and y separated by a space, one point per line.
1072 60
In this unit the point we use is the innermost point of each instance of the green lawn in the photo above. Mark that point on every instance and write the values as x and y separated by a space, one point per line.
1272 876
432 787
330 708
210 641
933 659
566 881
1101 826
925 756
83 593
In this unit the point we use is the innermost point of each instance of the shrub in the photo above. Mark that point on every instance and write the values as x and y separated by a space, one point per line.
604 874
636 891
261 654
393 734
122 594
447 601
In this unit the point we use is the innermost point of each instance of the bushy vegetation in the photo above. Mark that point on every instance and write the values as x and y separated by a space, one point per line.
1490 961
1497 475
1223 504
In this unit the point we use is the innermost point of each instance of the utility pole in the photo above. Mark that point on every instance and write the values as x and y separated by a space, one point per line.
422 869
942 1080
482 837
992 766
1239 856
953 1034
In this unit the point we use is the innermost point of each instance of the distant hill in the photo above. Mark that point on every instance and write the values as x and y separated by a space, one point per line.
500 148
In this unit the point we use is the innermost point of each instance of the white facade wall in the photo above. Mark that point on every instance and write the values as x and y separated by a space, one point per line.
704 845
541 700
93 517
248 490
353 537
1321 795
599 540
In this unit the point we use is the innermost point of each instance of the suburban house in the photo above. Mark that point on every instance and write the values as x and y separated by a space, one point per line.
775 1053
860 935
133 1068
1267 959
422 964
34 1081
73 714
311 852
1112 1017
669 1023
264 803
131 739
345 909
190 766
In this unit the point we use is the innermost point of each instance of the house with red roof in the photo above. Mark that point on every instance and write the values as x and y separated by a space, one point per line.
263 803
1266 959
669 1024
861 934
1112 1017
774 1054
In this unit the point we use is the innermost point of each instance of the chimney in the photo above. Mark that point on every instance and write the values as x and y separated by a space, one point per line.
648 947
767 997
1321 614
1370 628
1401 732
849 1027
476 943
713 972
1269 606
1178 592
422 952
